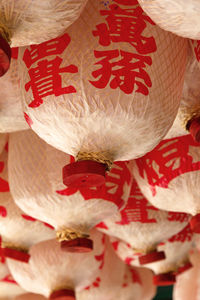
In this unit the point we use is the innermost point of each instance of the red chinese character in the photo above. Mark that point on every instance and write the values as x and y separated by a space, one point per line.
197 50
136 209
177 217
125 25
4 186
168 160
125 73
183 236
53 47
45 80
9 279
112 191
135 276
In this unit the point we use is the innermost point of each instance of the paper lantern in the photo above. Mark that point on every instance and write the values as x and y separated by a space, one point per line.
180 17
121 284
71 211
31 22
106 90
9 288
18 231
169 175
143 226
11 113
187 284
189 109
30 297
177 256
192 114
55 273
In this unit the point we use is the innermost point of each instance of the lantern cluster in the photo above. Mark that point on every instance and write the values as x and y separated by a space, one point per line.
99 149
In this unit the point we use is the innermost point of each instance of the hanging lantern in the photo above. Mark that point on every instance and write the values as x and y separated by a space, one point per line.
71 211
9 288
191 111
31 22
176 251
121 284
180 17
30 297
143 226
56 273
113 92
11 113
18 231
168 176
187 285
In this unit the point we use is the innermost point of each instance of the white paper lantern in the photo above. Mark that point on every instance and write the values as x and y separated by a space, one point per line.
25 22
18 231
52 272
143 226
169 176
35 176
112 88
178 16
187 285
9 288
30 297
177 256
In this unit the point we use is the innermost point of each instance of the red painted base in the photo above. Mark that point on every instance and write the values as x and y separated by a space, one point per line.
84 174
80 245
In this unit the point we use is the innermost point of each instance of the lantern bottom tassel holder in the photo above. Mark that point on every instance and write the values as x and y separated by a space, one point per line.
5 51
195 223
89 170
151 257
74 241
16 254
64 294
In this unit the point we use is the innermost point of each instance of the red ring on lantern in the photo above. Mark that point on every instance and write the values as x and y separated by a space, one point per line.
195 223
5 56
151 257
84 174
79 245
64 294
164 279
16 254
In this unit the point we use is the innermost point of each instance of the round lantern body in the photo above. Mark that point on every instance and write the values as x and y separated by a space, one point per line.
189 109
178 16
113 92
143 226
176 251
29 297
32 22
187 285
168 176
9 288
4 272
18 231
192 114
56 272
71 211
106 284
124 284
11 114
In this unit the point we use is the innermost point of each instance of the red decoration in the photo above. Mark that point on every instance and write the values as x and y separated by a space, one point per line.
172 158
130 71
45 78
